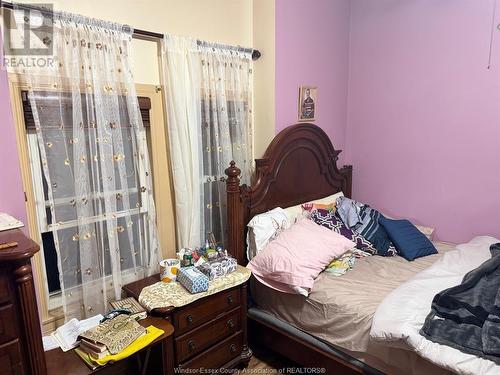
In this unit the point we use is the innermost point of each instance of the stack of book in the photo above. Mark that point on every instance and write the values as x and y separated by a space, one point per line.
90 351
94 349
112 336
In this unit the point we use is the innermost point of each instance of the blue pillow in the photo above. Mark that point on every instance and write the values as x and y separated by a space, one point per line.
409 241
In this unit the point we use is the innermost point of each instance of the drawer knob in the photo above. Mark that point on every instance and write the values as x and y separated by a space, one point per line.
191 345
189 319
229 300
230 323
232 348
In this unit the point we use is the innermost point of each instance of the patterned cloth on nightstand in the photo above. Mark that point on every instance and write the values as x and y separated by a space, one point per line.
174 294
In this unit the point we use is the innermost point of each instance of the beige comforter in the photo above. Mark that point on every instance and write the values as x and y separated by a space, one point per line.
340 309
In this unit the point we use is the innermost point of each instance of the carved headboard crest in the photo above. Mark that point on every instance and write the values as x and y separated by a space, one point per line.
299 165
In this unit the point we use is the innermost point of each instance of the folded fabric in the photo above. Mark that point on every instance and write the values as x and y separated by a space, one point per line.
364 220
330 220
340 266
152 333
409 241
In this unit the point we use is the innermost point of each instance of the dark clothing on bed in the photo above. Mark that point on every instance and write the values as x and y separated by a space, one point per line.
467 316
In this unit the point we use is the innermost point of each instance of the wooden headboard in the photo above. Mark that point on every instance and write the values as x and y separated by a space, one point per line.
299 165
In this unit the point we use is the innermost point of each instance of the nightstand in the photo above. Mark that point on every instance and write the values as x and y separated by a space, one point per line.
156 358
211 332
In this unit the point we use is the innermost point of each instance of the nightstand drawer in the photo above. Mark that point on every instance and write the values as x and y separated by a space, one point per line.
217 356
205 309
7 324
207 334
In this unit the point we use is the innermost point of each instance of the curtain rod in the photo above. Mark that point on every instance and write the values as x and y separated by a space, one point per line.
137 33
224 46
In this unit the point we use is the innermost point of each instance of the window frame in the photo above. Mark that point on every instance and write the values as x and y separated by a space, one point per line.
55 297
161 173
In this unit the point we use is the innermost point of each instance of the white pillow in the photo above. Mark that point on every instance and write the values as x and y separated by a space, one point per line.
263 228
296 212
427 231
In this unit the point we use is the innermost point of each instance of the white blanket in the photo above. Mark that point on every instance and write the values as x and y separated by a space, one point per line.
402 313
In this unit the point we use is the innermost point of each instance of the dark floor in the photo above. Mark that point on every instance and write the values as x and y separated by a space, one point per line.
264 358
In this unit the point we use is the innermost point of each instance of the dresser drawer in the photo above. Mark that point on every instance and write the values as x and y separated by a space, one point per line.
218 355
10 358
4 287
7 324
205 309
207 334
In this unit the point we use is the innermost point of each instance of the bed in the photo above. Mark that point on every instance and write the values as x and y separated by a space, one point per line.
300 165
342 319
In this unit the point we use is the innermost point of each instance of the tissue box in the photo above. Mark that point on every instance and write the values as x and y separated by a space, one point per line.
219 267
192 279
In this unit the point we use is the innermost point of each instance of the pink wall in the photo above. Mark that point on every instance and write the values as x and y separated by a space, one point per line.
424 113
11 187
312 48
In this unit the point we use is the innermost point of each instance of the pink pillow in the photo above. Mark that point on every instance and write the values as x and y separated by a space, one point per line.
293 260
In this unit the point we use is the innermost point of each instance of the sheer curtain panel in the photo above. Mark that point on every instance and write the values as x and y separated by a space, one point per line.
98 197
182 76
209 103
226 115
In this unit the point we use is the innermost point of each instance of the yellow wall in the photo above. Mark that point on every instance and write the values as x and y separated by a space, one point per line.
264 68
222 21
249 23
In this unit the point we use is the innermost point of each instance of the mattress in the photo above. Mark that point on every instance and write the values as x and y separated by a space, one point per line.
378 360
339 309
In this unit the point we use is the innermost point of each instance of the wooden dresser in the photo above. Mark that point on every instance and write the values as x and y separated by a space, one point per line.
21 348
210 333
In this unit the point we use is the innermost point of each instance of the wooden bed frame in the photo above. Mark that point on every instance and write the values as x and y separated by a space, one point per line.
299 165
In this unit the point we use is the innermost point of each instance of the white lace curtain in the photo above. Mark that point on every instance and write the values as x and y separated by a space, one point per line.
209 102
94 156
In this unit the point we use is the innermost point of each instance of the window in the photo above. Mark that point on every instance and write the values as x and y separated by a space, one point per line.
217 155
67 225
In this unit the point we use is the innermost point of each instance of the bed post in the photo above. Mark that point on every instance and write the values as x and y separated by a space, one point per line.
346 171
235 214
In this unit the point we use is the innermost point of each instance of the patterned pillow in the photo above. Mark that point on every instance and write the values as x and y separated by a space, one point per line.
308 208
371 229
328 219
364 220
